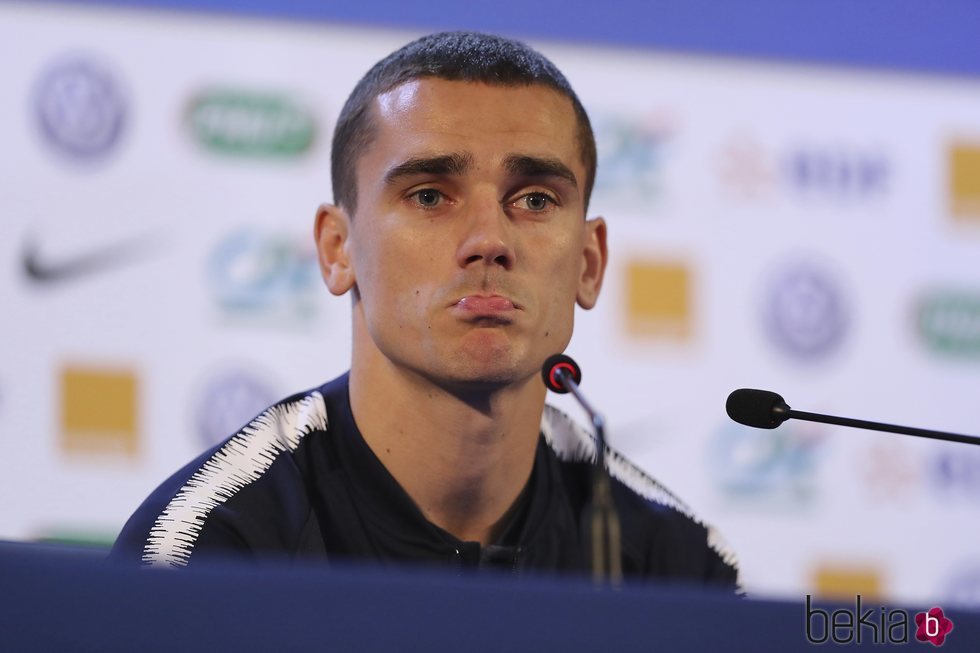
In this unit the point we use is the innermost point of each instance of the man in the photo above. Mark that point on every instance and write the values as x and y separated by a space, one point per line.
462 169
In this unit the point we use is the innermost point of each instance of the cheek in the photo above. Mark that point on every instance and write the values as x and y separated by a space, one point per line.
559 289
394 277
565 269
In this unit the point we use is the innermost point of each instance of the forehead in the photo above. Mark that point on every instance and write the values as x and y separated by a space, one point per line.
434 116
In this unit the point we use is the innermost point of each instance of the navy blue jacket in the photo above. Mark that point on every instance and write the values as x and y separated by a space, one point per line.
299 483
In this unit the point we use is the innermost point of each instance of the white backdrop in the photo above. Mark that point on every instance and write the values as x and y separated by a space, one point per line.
809 230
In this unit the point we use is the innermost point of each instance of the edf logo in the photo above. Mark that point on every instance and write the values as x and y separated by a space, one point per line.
837 174
752 170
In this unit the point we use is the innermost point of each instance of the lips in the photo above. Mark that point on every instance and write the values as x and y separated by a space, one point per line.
485 306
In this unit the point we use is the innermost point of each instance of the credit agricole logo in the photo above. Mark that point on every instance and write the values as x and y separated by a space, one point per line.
250 124
949 321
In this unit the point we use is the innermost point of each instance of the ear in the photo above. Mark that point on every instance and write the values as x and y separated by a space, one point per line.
331 232
594 258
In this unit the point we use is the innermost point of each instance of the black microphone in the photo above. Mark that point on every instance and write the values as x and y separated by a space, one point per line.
763 409
600 522
551 367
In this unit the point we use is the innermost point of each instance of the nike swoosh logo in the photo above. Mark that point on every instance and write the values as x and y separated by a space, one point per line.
82 264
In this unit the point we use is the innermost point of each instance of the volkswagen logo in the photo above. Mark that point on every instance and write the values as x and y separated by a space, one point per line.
80 109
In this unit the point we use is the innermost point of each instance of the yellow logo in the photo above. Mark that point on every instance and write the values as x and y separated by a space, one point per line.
964 180
842 581
99 411
658 300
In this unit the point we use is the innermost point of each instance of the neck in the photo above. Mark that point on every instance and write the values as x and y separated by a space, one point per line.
463 454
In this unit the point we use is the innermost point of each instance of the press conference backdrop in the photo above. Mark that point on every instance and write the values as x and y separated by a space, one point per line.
801 227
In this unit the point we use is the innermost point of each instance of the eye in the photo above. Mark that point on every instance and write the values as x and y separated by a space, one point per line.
538 202
427 198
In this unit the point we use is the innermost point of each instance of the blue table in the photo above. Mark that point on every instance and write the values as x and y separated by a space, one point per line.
53 600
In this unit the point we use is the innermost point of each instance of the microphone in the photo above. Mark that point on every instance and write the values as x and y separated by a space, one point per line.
600 522
549 372
763 409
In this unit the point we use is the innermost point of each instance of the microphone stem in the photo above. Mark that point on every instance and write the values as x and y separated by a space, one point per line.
597 420
601 516
877 426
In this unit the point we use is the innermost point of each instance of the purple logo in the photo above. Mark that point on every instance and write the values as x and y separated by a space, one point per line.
228 401
80 109
805 312
956 474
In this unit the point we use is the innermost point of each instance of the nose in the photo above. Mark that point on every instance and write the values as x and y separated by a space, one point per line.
487 238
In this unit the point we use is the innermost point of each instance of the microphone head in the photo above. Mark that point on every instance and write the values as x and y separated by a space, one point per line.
757 408
549 372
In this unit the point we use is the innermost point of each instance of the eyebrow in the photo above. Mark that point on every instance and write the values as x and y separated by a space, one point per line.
532 166
457 163
447 164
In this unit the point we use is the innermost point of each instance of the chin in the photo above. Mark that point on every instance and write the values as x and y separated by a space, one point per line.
495 378
491 368
485 359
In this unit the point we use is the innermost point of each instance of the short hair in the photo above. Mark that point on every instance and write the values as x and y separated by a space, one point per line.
452 56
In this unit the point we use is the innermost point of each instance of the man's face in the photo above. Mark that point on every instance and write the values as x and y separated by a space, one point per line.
469 247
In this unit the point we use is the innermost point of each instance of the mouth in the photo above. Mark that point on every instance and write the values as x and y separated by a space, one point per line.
486 308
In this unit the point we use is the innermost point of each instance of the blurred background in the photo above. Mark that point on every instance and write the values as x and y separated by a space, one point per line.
793 200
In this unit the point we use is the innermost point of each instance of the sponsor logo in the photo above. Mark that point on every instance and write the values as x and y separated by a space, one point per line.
80 109
746 168
750 170
633 152
881 626
250 124
842 581
43 269
658 300
949 322
805 313
955 474
77 537
257 277
228 401
964 180
836 174
99 410
767 467
891 472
